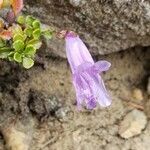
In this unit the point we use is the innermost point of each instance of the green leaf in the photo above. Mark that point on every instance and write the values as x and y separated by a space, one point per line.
11 56
30 50
24 37
36 43
16 29
18 45
4 52
27 62
2 43
36 24
29 20
5 49
21 19
18 37
4 55
18 57
28 31
36 33
47 34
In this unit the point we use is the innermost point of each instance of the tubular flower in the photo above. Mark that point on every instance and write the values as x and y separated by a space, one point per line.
89 86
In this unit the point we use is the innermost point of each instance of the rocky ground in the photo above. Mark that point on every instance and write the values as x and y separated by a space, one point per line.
37 106
38 110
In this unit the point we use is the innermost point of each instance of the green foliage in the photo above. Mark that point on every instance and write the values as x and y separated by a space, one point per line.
30 50
2 43
18 57
18 45
28 62
26 40
36 33
21 19
47 34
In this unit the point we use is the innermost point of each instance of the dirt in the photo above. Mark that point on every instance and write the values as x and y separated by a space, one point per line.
42 100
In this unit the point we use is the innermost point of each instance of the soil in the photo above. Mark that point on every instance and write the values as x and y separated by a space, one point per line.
40 102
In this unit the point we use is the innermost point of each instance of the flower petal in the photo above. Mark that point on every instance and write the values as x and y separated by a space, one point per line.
77 53
101 66
101 92
84 51
83 67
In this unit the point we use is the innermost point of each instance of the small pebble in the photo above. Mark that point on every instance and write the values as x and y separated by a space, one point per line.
137 94
133 124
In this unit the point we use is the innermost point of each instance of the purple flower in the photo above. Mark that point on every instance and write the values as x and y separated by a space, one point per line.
88 84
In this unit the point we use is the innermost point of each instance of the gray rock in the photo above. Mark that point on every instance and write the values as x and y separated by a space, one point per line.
148 86
63 113
105 26
76 2
147 108
133 124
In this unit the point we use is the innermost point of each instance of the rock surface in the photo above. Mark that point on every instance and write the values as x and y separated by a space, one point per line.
67 128
106 26
148 86
137 94
17 136
133 123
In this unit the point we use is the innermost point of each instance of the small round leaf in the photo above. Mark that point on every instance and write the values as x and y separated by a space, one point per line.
21 19
29 20
36 24
18 57
30 50
36 33
36 43
18 45
18 37
27 62
28 31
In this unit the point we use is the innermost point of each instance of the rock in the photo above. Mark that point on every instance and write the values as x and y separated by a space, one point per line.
42 105
147 108
148 86
133 124
18 136
105 26
64 114
16 140
75 2
111 146
137 94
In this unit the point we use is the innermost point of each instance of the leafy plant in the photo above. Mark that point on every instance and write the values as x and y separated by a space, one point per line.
23 41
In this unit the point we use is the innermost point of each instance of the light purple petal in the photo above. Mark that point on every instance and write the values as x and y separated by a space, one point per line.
85 52
77 53
101 66
88 84
100 91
